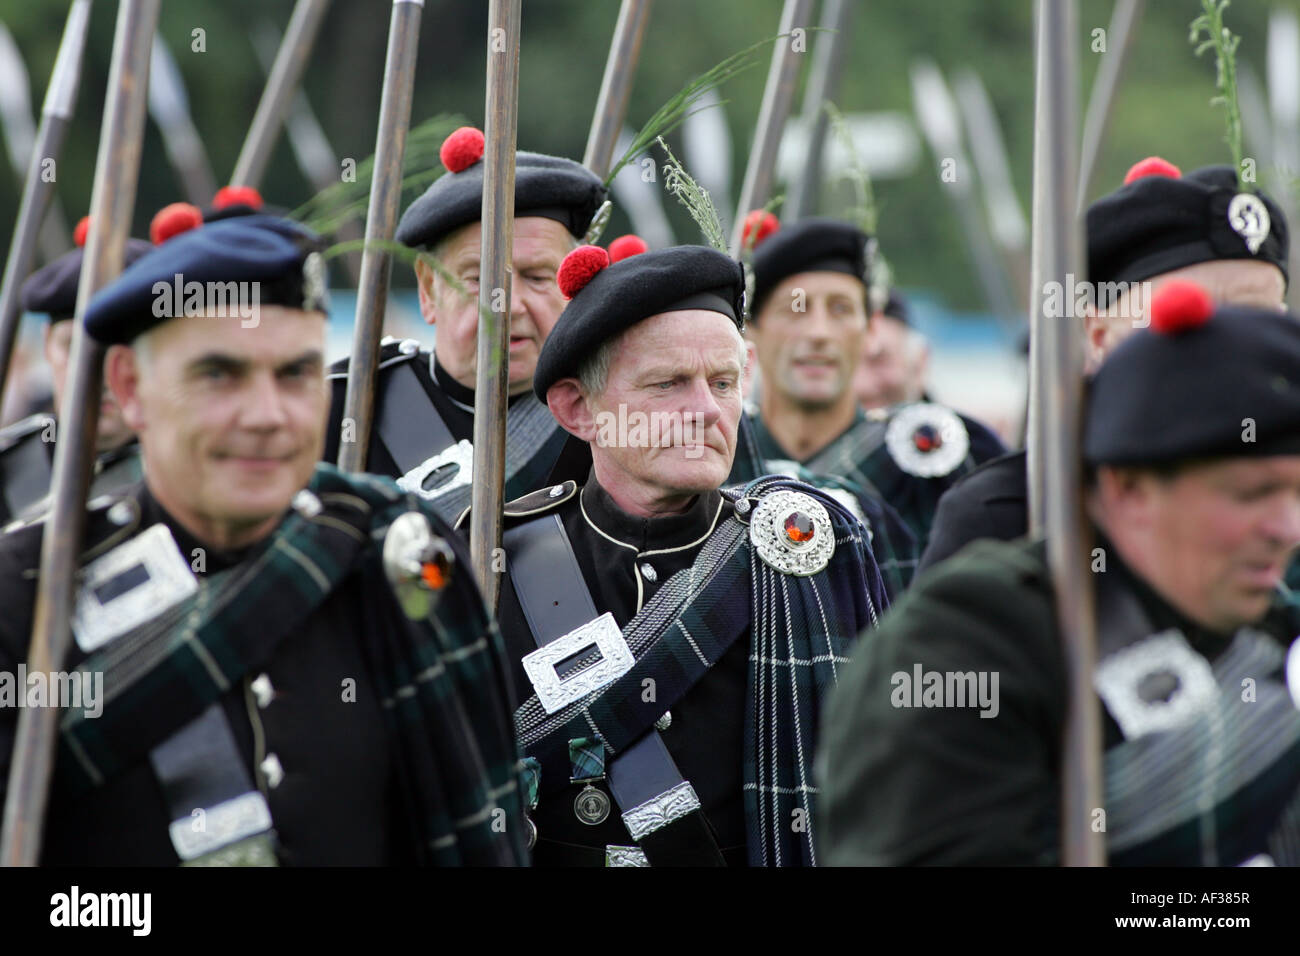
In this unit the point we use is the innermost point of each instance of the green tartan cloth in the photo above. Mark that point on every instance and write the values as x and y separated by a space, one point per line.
442 681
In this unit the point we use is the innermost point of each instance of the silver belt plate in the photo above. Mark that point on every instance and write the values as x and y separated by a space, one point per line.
226 823
136 581
625 856
556 692
458 460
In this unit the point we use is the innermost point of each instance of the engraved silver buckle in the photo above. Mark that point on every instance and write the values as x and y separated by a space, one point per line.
134 582
625 856
658 812
556 692
227 823
460 454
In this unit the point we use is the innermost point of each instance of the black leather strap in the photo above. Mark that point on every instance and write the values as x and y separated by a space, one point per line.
1121 620
27 473
555 600
409 424
199 769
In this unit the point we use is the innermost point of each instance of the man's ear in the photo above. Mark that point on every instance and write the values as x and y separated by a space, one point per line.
751 362
1095 332
1124 493
424 276
572 409
122 375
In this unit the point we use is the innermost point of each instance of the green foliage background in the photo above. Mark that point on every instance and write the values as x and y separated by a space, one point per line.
1163 106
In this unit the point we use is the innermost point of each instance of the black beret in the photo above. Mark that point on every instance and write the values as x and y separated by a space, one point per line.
550 187
52 289
1159 223
810 245
623 294
280 255
1184 388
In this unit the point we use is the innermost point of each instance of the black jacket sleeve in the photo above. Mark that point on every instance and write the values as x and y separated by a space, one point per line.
904 784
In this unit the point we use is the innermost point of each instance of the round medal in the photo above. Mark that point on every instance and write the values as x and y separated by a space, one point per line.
591 806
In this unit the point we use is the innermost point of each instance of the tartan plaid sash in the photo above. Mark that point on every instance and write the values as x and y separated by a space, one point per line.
441 682
801 630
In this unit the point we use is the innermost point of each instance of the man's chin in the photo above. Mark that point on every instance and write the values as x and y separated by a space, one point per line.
696 472
813 398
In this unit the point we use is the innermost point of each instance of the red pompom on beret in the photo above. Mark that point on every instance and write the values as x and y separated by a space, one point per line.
1179 305
625 246
173 220
462 149
578 268
1152 166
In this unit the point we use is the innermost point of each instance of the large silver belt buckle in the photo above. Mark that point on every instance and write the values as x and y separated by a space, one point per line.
456 463
556 692
134 582
222 835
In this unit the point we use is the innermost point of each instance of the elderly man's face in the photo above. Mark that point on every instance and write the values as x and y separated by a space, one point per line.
231 419
683 370
112 429
1229 282
540 245
1215 539
892 369
809 335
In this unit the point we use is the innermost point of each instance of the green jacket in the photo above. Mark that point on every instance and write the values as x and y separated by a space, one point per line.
908 783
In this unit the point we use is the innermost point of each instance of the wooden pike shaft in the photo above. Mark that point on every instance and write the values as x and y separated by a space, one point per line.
493 371
381 224
772 114
823 81
1058 367
290 62
616 86
1123 27
56 116
113 199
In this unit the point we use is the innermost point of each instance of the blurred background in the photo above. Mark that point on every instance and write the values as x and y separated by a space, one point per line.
924 81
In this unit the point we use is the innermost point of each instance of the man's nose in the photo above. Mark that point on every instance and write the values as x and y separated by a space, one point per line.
263 405
1284 521
702 403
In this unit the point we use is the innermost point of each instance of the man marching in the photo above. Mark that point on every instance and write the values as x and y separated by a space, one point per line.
944 739
27 446
295 665
424 404
810 309
672 639
1159 226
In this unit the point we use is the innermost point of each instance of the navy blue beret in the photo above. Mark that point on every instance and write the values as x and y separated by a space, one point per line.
809 245
1158 223
52 289
1163 397
277 254
546 186
631 290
